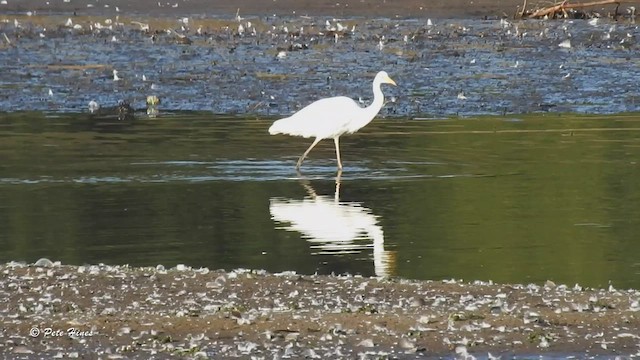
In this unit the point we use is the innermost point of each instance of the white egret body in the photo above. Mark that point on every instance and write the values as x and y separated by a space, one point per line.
332 117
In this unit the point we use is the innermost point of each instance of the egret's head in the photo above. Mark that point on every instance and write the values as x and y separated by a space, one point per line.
384 78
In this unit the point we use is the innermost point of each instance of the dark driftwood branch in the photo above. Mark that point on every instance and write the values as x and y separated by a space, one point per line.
564 6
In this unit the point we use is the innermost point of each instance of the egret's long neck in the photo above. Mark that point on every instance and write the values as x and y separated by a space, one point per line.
372 110
378 99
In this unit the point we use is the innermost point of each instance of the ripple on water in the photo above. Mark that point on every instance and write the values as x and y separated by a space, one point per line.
245 170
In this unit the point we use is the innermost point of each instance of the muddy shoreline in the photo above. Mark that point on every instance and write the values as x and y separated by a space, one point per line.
350 8
125 312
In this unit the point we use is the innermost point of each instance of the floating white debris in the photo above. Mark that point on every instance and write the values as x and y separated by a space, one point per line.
143 26
310 354
44 262
286 273
246 347
366 343
109 311
544 343
627 335
407 344
181 267
461 351
93 106
21 349
566 44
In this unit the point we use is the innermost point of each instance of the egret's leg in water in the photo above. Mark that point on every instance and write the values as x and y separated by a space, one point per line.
315 142
337 193
335 140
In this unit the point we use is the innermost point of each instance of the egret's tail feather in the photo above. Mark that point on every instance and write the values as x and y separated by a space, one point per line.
273 130
292 126
276 128
281 126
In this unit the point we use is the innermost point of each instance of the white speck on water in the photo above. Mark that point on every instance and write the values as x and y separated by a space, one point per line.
566 44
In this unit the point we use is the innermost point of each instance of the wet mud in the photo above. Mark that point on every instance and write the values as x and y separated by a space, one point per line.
273 64
349 8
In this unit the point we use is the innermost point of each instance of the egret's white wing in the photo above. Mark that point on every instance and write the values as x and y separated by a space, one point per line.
325 118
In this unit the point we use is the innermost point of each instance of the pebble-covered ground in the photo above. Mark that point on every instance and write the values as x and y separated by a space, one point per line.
113 312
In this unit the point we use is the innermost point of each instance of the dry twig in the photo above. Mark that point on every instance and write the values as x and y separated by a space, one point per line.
564 6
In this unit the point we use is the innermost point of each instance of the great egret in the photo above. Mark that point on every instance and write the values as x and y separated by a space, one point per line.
331 117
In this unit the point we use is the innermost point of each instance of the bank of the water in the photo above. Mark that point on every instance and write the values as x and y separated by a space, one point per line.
364 8
125 312
274 65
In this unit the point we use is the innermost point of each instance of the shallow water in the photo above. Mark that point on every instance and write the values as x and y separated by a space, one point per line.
277 64
508 199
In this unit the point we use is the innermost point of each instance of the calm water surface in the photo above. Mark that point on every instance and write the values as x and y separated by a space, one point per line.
508 199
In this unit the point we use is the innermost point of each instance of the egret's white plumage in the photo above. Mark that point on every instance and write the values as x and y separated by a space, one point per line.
332 117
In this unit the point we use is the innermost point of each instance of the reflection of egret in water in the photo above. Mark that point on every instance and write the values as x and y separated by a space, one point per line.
334 227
